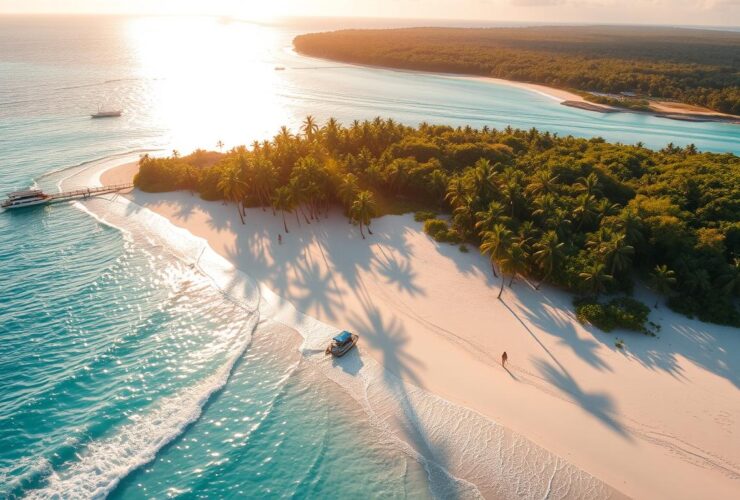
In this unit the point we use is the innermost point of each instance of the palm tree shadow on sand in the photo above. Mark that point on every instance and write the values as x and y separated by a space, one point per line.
600 405
398 273
386 335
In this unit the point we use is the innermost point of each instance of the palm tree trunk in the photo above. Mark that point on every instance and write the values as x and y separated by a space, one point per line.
549 272
297 219
513 275
368 228
238 209
363 234
285 225
271 205
501 290
493 269
537 287
305 217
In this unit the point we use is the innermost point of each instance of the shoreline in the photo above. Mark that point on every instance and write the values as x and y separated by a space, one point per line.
568 389
660 109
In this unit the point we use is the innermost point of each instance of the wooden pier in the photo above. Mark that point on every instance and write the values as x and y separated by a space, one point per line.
87 192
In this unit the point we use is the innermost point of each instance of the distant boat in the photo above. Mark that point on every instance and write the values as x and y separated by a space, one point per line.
279 68
342 344
107 114
28 198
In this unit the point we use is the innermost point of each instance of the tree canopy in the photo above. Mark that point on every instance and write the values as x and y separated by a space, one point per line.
690 65
581 214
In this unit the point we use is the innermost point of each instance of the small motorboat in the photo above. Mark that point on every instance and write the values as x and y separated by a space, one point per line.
279 68
342 344
114 113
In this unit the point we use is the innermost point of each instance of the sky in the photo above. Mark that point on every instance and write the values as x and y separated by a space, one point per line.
681 12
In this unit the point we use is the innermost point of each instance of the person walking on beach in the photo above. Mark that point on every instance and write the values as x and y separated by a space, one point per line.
504 358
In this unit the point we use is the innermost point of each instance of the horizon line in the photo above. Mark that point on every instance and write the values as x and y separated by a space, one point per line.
378 18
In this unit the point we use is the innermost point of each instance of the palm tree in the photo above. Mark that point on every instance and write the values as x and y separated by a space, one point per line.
543 182
264 180
631 224
662 279
515 260
606 208
545 206
398 174
282 200
729 280
437 182
511 192
588 184
347 190
585 209
309 128
233 187
595 278
363 210
698 281
455 191
484 178
494 244
464 214
297 197
487 218
284 134
331 133
549 252
619 253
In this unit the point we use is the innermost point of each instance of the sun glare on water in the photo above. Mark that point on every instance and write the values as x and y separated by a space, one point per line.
207 79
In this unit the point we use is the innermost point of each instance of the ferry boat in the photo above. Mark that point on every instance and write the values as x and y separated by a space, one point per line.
19 199
342 344
107 114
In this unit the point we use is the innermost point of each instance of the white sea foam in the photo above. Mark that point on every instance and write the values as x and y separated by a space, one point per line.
464 454
104 463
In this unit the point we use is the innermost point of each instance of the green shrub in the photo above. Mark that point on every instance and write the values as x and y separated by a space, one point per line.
629 313
440 231
423 215
435 227
621 312
595 314
452 236
464 249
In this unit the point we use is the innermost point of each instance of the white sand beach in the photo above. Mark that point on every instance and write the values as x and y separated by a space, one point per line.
658 107
659 419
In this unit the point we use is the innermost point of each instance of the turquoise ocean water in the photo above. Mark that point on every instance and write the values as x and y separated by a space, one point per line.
125 368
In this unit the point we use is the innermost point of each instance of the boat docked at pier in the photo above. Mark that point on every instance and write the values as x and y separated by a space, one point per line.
30 197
